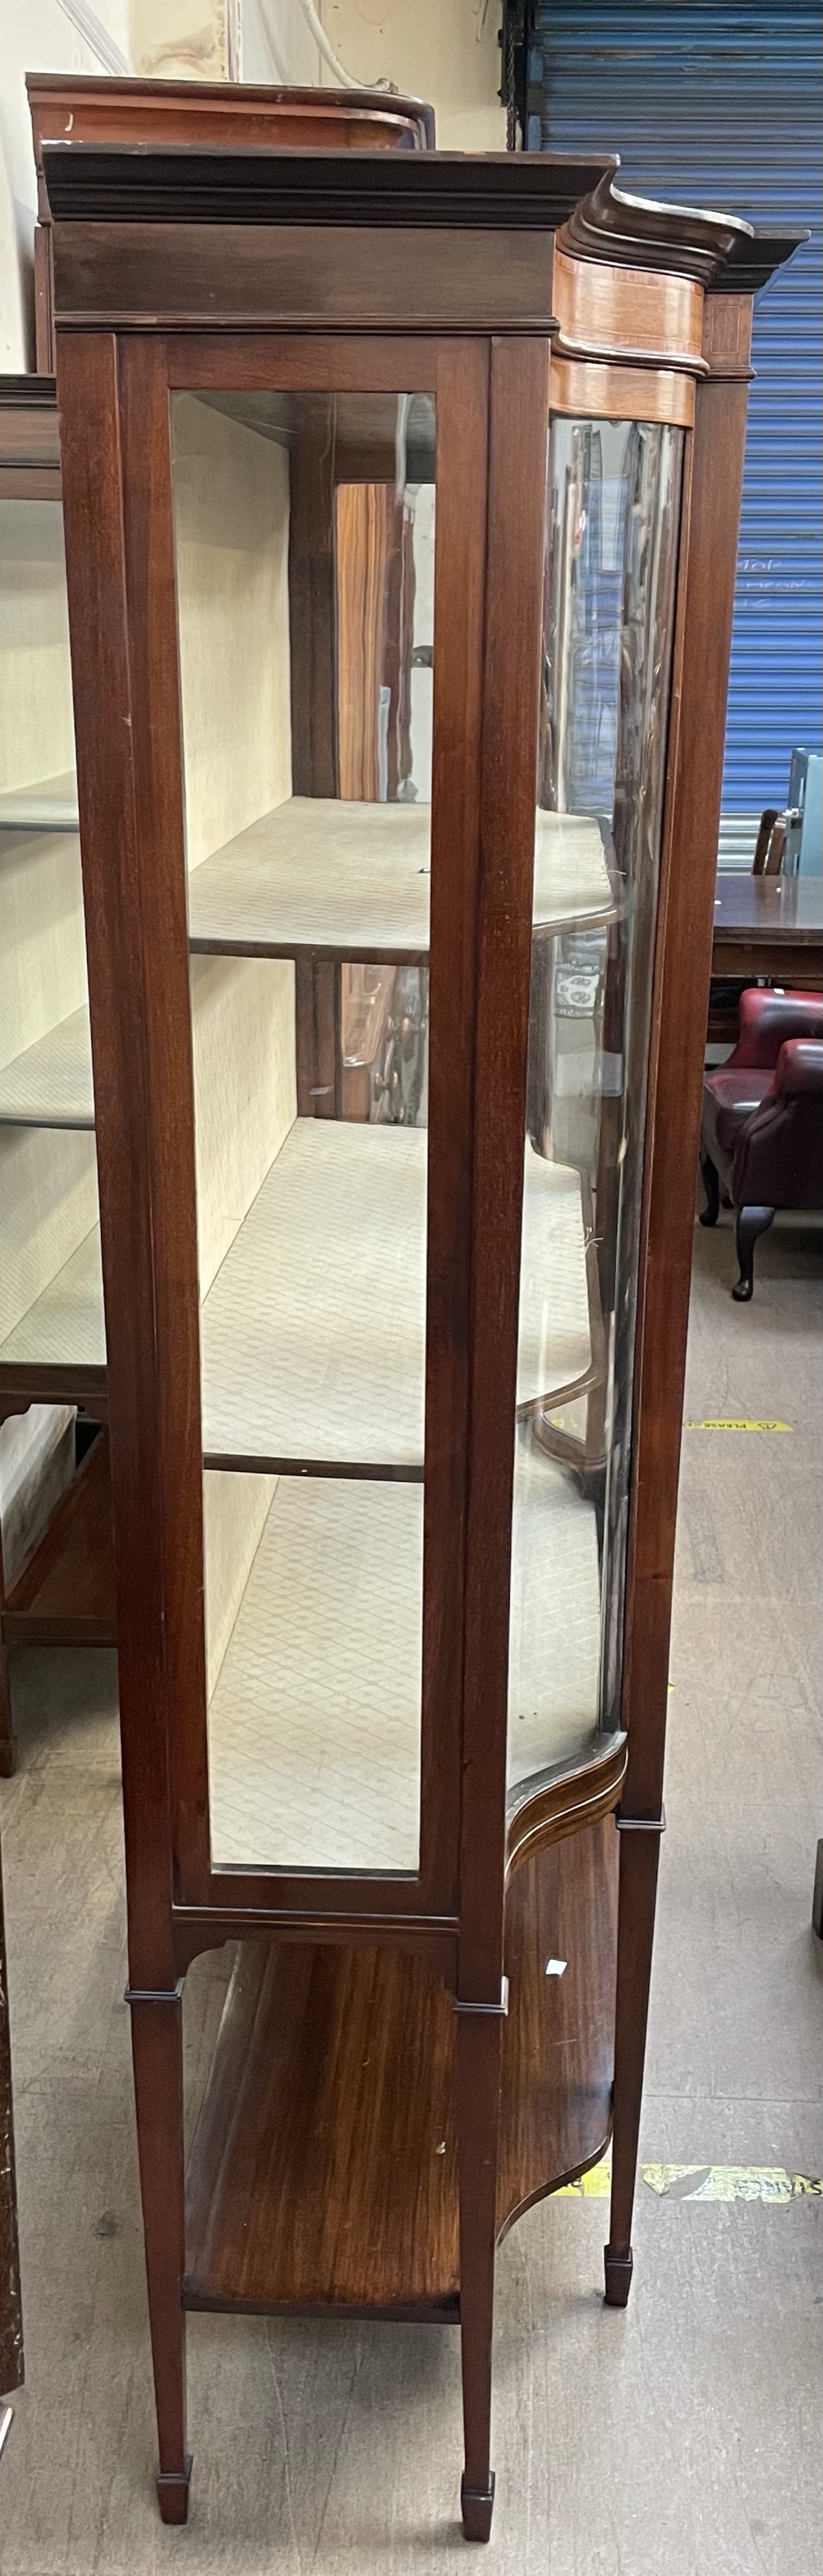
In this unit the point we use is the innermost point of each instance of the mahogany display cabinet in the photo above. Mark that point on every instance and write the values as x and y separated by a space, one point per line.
401 499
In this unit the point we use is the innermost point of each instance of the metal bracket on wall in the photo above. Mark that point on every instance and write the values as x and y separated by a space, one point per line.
500 2008
641 1824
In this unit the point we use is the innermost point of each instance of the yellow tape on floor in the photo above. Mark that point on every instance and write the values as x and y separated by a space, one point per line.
703 2182
716 1423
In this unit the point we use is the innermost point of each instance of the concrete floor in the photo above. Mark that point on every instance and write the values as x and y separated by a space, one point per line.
677 2439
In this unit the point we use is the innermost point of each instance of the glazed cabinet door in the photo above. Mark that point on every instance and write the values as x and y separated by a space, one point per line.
610 559
304 543
301 592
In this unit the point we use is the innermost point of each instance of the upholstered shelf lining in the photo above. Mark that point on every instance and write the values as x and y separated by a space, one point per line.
314 1721
313 1331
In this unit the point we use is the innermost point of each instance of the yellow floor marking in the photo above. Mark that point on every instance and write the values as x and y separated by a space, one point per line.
703 2182
715 1423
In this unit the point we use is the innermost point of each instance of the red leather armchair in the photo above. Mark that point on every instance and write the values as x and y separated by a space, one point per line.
762 1129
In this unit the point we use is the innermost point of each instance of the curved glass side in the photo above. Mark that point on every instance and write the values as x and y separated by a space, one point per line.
612 520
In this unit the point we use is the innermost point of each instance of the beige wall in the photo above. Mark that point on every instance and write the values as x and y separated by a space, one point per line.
445 51
185 39
37 36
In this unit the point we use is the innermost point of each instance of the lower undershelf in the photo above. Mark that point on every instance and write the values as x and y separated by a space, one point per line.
323 2167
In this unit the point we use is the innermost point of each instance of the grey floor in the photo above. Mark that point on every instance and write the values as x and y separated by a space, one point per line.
677 2439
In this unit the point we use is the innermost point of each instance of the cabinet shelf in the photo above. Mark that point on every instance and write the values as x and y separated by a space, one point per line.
50 1084
351 881
341 879
49 806
313 1331
320 2177
314 1719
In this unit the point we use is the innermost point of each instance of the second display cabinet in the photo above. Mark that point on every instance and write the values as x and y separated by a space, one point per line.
400 504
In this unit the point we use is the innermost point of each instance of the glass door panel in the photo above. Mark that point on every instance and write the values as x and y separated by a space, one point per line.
613 503
51 1305
304 524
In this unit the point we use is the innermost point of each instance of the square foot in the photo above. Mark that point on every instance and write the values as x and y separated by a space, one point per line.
477 2507
619 2269
173 2492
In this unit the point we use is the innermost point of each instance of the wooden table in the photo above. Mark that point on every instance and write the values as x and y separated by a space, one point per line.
769 926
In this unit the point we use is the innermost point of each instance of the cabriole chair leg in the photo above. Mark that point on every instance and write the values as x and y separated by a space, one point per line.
749 1223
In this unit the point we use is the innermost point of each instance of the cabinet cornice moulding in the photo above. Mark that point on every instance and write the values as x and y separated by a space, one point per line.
452 190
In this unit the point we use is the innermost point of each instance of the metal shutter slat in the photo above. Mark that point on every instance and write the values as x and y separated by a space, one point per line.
717 106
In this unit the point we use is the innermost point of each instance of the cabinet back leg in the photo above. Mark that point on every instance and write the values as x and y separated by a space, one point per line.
479 2046
711 1184
157 2050
8 1741
639 1856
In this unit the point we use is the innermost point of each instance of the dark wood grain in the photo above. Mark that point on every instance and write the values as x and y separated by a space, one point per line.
320 2177
29 439
639 1864
185 112
64 1593
43 301
173 1321
328 278
459 629
312 625
157 2051
518 434
29 436
558 2038
23 1382
563 1801
449 191
322 2171
267 362
636 232
479 2052
220 113
753 259
99 606
514 599
691 823
768 925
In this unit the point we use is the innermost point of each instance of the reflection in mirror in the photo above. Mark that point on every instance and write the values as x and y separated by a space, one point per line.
613 504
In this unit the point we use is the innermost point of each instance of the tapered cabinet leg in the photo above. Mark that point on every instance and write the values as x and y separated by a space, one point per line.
639 1856
479 2045
8 1741
157 2048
